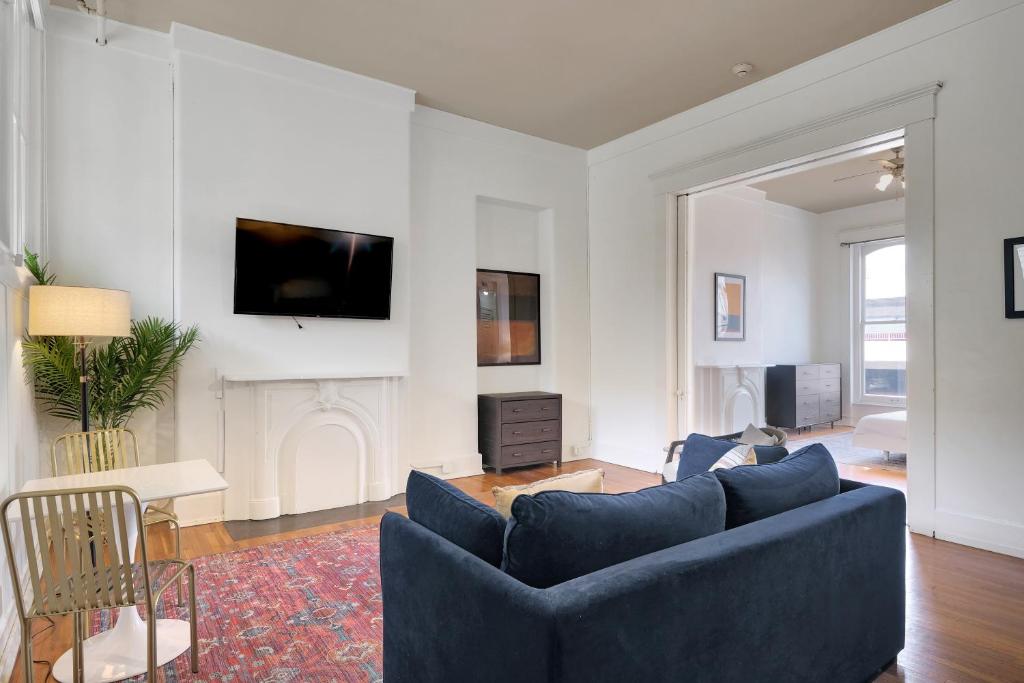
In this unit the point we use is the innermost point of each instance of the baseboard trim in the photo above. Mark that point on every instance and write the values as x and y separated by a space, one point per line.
995 535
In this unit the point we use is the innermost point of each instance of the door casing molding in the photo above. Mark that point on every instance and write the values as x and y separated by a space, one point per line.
910 114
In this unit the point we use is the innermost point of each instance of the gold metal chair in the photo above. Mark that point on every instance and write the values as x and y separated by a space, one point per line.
110 449
86 565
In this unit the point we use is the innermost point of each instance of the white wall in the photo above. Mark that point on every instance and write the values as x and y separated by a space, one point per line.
110 182
21 222
249 132
737 231
455 163
871 221
259 134
973 48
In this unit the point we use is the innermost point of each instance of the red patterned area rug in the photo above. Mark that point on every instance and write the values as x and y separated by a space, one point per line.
307 609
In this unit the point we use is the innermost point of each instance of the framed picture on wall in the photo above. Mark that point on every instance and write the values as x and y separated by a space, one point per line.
507 318
1013 273
730 307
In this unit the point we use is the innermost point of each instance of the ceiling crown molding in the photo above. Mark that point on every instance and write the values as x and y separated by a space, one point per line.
265 60
922 106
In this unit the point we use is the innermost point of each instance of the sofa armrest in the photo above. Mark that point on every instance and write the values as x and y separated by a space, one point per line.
448 614
812 594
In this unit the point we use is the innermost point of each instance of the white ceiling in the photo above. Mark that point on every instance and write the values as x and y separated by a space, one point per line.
816 189
581 72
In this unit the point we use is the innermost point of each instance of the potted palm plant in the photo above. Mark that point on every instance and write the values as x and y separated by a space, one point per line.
126 375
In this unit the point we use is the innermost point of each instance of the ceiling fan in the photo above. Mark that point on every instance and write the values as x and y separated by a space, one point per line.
892 169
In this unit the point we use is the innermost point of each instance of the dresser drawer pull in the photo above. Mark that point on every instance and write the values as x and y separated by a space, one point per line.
545 408
516 433
517 455
517 410
547 450
546 429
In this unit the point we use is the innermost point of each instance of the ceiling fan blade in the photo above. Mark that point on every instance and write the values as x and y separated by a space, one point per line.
851 177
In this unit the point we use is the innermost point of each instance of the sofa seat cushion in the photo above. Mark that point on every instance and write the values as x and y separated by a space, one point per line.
555 536
456 516
753 492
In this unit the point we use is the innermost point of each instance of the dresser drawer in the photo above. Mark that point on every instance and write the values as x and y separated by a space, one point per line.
528 432
529 411
806 415
805 403
831 370
530 452
830 400
808 372
829 385
807 387
830 413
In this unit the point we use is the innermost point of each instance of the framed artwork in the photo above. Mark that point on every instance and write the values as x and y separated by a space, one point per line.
507 318
1013 273
730 307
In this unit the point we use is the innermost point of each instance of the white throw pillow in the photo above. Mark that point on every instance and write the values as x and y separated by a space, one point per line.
743 454
755 437
670 470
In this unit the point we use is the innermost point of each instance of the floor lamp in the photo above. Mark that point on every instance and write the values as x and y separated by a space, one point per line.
82 313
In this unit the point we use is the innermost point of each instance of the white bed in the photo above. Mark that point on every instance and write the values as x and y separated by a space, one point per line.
883 431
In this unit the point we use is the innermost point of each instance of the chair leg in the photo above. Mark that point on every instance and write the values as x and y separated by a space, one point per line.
193 619
151 644
177 556
26 650
76 648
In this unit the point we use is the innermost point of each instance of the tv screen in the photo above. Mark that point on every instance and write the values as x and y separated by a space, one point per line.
293 270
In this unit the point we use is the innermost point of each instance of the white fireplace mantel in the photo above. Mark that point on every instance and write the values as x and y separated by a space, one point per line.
296 442
729 396
291 377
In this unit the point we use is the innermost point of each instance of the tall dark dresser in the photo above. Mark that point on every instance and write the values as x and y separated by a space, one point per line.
522 428
798 396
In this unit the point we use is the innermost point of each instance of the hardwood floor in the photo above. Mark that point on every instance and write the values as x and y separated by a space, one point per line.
965 607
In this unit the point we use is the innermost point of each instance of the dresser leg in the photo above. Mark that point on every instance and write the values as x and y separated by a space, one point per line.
497 470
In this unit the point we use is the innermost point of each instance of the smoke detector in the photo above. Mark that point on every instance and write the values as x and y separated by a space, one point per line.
742 70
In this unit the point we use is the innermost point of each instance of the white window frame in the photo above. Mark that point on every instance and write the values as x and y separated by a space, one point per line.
857 255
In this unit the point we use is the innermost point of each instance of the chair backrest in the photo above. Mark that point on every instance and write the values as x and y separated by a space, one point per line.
94 451
85 562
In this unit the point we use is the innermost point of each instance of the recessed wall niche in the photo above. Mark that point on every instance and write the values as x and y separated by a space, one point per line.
517 238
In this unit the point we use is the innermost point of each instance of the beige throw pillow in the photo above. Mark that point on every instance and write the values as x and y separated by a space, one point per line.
743 454
584 481
755 437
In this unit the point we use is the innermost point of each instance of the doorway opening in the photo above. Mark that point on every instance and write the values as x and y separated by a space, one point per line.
815 343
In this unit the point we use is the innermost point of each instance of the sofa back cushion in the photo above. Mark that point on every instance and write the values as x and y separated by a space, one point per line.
582 481
769 454
700 453
753 492
458 517
555 536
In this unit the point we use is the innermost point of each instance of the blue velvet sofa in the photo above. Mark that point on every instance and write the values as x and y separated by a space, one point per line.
815 593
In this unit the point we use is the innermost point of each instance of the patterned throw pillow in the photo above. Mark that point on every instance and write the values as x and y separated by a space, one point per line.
742 454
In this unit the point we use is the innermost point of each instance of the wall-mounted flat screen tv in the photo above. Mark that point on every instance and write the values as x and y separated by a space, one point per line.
294 270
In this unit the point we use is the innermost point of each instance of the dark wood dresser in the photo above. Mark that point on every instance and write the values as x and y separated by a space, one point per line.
522 428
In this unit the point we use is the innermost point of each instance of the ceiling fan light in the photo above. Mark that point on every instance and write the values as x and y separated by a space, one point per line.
883 182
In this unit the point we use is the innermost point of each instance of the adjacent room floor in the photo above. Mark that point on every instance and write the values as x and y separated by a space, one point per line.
965 607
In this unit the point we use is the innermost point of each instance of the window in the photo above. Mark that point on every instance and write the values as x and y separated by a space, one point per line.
880 329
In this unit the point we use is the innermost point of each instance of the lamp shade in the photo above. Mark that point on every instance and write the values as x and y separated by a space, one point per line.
78 312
